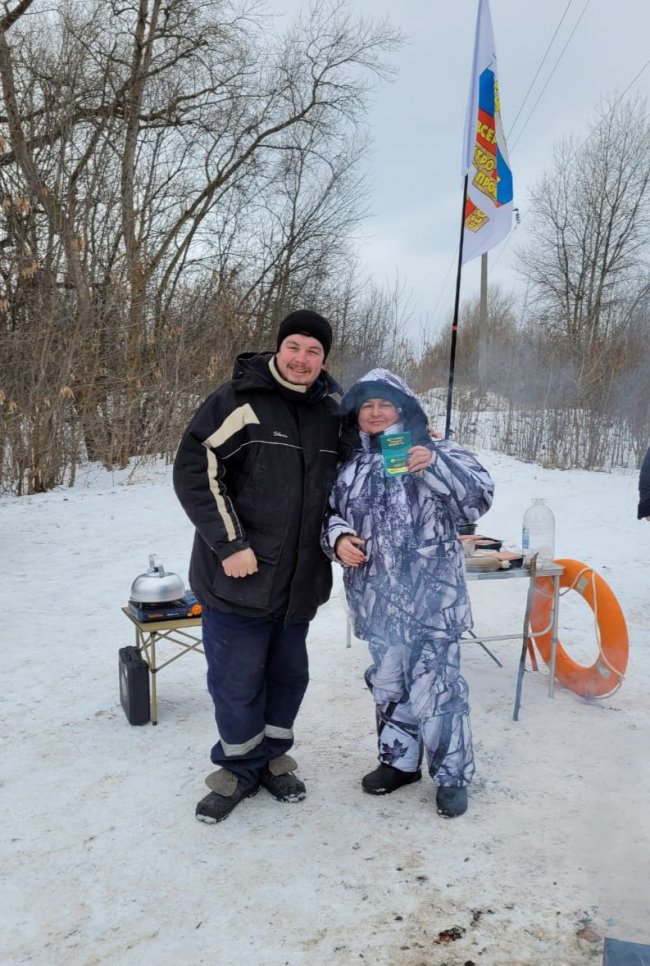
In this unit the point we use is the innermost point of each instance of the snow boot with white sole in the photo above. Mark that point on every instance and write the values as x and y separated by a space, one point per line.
386 779
278 779
228 791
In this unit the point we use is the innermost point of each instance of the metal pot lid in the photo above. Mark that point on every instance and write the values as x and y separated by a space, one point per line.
157 586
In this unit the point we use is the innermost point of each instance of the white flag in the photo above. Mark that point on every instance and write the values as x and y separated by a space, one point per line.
488 208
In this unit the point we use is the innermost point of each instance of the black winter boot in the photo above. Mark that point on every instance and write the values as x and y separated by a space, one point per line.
219 804
451 801
278 779
386 779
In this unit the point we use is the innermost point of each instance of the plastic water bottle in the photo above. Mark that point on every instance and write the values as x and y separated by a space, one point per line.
538 532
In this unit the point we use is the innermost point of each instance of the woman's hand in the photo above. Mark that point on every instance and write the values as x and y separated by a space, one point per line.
419 458
348 550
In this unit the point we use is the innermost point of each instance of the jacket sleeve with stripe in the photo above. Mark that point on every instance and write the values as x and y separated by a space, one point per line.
200 478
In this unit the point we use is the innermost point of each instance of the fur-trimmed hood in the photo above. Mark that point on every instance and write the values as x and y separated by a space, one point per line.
382 384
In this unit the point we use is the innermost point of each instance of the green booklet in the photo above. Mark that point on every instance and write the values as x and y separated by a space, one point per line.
394 449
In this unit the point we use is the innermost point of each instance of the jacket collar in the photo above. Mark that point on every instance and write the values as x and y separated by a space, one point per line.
283 382
372 443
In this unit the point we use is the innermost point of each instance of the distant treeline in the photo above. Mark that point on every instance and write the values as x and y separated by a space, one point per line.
175 178
570 368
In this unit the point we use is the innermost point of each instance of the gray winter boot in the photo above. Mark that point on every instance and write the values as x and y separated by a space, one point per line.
278 779
228 791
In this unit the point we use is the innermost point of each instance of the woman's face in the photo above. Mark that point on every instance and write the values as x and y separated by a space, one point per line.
376 415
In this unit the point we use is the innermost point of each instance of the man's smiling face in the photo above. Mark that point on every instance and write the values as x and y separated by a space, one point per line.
300 359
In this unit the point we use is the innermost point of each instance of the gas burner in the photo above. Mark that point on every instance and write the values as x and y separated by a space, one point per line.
186 606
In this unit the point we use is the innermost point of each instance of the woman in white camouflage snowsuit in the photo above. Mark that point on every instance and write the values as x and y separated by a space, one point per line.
405 584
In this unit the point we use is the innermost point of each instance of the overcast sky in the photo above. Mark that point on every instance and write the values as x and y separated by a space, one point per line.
416 124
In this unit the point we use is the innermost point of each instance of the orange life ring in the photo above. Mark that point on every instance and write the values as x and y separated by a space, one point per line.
606 674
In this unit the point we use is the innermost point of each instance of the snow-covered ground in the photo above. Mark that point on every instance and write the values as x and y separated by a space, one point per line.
103 861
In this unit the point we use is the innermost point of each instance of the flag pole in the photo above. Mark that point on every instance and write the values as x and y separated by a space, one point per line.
454 324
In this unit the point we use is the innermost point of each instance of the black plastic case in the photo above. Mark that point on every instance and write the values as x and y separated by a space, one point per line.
134 686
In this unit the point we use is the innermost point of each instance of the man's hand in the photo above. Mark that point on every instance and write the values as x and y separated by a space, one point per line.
348 550
419 458
240 564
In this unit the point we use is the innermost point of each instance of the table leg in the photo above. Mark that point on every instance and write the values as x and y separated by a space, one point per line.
152 676
554 637
485 648
525 637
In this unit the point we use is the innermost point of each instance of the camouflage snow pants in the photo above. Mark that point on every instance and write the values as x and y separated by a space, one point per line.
421 704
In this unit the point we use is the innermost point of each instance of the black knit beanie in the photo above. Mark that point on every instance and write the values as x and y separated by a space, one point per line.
306 322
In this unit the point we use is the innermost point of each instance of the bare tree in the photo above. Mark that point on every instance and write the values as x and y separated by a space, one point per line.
587 263
159 160
433 366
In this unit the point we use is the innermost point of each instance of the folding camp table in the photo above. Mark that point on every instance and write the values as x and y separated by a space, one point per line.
526 635
554 571
182 632
148 634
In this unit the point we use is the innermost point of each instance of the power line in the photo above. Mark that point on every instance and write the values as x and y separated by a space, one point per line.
541 64
548 79
581 144
631 84
521 106
453 261
619 98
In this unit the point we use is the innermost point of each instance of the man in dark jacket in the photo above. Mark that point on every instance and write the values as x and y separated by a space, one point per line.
253 473
644 489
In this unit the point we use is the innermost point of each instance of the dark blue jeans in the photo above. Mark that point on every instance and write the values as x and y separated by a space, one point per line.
257 677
